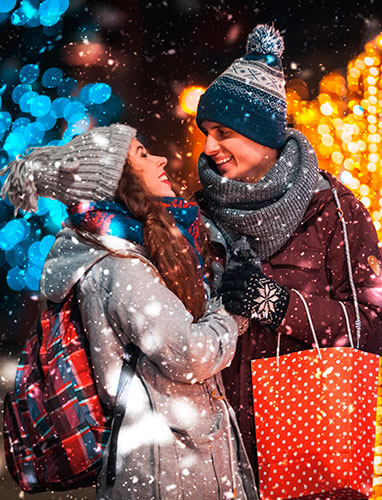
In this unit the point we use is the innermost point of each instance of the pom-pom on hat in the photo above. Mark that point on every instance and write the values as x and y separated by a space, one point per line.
249 96
88 168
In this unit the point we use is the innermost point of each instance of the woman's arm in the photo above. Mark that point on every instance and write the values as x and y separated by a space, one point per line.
122 294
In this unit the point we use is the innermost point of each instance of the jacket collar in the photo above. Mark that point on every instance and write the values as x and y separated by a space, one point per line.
322 198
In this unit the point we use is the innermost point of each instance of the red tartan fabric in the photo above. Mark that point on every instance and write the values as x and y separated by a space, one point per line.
55 429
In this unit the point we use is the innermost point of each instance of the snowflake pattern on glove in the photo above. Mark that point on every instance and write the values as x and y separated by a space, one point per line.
271 302
267 301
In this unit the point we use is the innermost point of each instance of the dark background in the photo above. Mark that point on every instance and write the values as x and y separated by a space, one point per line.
158 48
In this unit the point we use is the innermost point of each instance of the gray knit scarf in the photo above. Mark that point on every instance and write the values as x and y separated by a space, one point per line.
269 211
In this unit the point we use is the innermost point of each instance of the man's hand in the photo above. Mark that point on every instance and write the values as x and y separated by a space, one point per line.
246 291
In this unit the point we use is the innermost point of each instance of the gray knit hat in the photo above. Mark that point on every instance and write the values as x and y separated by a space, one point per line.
88 167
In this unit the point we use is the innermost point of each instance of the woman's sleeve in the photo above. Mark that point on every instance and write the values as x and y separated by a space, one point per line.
327 315
142 310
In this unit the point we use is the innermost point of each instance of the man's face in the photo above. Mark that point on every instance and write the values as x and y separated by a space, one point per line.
237 157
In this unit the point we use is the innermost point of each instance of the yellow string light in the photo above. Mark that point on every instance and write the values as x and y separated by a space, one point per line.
344 125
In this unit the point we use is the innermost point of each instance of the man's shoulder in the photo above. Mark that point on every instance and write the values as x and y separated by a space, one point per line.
335 183
352 208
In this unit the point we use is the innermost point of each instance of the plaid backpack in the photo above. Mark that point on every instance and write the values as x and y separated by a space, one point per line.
55 429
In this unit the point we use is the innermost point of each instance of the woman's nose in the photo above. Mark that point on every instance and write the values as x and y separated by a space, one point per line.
161 161
211 146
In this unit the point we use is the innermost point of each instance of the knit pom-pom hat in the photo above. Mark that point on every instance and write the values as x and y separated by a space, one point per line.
88 168
249 97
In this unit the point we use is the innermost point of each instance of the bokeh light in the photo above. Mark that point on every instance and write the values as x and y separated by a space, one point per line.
32 13
52 77
189 99
344 126
54 108
7 5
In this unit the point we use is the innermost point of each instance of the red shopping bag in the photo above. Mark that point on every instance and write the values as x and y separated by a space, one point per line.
315 423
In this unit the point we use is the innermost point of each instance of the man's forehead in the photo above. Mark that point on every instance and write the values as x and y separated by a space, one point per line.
208 125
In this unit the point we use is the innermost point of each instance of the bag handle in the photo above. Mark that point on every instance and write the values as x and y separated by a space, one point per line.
316 344
312 327
347 323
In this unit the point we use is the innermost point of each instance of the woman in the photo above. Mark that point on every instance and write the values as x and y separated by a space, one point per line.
135 251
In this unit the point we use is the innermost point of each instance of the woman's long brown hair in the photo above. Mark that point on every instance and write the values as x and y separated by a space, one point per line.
169 251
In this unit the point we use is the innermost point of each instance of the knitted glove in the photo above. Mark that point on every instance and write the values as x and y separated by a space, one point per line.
248 292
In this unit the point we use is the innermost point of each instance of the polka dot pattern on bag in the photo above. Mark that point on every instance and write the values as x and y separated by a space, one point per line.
315 421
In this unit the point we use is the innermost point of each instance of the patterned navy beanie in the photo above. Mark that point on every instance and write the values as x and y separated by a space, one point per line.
249 97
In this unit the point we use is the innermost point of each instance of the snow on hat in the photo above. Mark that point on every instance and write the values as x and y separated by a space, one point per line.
249 96
88 167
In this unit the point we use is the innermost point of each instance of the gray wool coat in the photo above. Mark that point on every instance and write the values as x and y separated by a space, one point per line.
179 438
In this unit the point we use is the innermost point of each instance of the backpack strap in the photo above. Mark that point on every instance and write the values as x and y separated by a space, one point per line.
127 372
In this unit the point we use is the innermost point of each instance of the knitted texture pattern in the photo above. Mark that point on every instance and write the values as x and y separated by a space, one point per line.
88 167
269 211
249 96
111 218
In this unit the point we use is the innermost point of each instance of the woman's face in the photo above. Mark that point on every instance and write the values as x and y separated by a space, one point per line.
151 169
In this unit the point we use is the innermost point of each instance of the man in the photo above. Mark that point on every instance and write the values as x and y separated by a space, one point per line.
261 180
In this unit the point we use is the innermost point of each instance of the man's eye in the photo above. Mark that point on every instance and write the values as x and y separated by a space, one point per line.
223 132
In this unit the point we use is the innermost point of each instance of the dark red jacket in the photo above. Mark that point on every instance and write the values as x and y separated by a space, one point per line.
313 262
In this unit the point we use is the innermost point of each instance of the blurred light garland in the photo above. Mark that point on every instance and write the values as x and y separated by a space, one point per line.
47 103
344 126
32 13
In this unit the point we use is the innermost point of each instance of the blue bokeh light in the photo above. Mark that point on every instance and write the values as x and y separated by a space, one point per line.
40 106
15 144
19 91
51 11
21 122
16 278
18 18
30 9
29 73
5 119
99 93
16 257
49 120
37 131
52 77
46 244
35 255
32 277
58 106
26 241
7 5
13 232
74 111
26 101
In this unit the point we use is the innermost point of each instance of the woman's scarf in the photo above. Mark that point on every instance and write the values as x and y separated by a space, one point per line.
111 218
269 211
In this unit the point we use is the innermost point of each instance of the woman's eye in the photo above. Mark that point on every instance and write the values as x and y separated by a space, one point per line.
145 155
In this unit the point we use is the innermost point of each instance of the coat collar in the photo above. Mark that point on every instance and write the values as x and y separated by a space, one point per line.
322 198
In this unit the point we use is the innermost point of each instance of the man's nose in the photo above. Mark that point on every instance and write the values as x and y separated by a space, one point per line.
211 146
